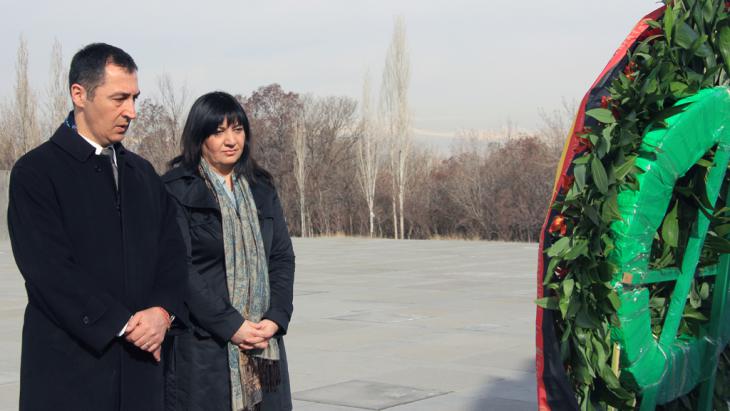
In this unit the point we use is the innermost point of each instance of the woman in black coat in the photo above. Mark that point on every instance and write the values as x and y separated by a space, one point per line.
240 268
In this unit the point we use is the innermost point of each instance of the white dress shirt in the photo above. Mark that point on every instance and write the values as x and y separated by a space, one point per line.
98 148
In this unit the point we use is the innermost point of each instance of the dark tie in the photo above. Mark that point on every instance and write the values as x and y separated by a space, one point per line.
109 152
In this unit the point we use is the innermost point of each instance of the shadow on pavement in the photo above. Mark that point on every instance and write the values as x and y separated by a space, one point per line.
513 394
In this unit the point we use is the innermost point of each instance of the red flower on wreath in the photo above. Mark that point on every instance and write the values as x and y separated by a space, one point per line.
561 272
583 145
566 182
558 225
630 70
605 101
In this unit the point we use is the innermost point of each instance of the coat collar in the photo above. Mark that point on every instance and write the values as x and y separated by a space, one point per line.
189 188
71 142
68 139
191 191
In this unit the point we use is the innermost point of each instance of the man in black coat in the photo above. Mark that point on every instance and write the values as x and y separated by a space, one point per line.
95 237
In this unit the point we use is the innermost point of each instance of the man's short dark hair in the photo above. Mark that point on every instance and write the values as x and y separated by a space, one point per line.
89 64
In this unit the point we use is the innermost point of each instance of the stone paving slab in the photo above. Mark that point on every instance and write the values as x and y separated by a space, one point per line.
368 395
314 406
451 317
465 403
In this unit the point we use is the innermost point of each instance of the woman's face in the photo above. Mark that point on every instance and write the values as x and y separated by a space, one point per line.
223 148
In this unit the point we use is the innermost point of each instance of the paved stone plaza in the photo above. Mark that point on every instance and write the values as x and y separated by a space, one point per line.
383 324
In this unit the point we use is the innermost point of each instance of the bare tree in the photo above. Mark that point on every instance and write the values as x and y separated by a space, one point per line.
420 204
155 134
26 127
521 172
151 135
272 111
7 136
368 159
174 100
331 126
299 138
470 188
556 124
58 101
394 105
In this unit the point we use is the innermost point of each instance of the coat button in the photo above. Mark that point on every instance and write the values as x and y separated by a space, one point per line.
85 320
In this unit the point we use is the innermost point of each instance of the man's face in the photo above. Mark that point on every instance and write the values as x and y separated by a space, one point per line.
109 112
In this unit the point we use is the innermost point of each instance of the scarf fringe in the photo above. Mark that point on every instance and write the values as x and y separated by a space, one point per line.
268 372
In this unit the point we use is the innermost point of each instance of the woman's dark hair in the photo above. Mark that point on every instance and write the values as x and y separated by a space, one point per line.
207 113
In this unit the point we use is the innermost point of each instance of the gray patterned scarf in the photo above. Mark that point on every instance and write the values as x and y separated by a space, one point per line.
248 287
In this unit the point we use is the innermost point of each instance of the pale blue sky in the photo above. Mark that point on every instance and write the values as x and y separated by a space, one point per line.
475 64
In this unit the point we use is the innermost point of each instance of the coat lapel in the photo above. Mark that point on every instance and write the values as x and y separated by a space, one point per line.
72 143
193 193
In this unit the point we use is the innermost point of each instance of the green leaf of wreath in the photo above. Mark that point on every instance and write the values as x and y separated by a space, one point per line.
685 35
559 247
723 43
603 115
670 227
599 175
550 303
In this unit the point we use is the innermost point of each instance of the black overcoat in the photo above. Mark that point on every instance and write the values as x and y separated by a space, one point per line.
200 379
91 258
